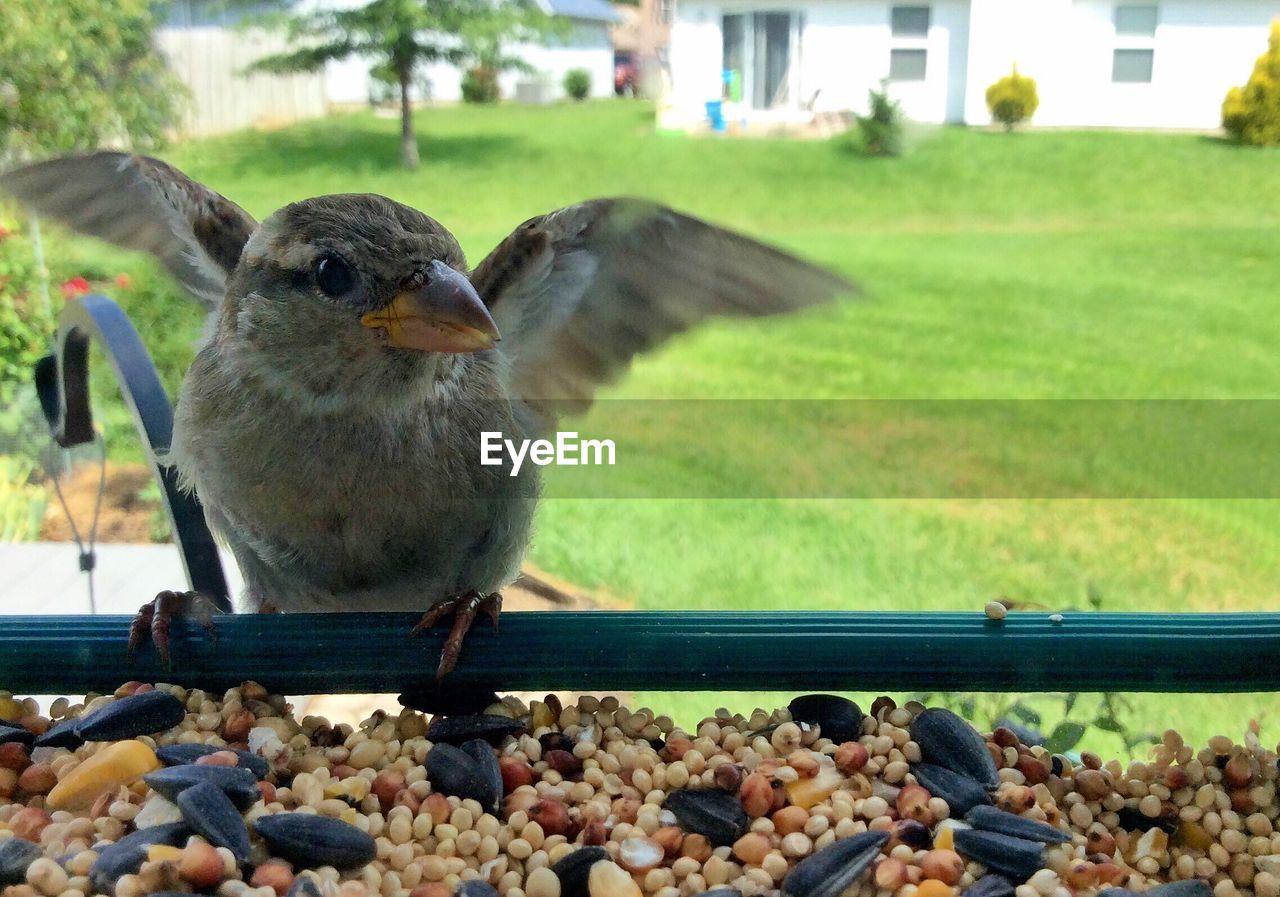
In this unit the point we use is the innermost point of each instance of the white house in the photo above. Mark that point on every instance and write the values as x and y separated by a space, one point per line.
585 45
1097 63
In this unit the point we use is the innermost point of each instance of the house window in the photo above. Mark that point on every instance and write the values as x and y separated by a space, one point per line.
1132 66
909 51
1133 58
907 65
761 50
666 11
909 21
1136 20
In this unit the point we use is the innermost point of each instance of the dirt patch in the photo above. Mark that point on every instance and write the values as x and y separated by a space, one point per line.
125 516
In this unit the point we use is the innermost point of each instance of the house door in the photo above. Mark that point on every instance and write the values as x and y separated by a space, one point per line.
759 47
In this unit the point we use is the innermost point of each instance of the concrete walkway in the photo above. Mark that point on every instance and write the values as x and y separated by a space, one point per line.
45 577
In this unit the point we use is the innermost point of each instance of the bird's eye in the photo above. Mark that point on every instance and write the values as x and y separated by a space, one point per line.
334 276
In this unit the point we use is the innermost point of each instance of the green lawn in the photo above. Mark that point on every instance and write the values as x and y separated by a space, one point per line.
1034 265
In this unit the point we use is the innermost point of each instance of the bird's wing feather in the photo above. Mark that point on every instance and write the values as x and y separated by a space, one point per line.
579 292
141 203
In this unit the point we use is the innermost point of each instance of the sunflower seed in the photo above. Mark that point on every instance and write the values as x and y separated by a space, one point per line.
126 855
456 773
63 735
9 734
835 867
990 885
131 716
1191 887
475 887
183 754
990 819
487 766
959 791
574 868
236 782
717 815
15 856
837 718
306 839
947 740
208 810
455 730
1016 858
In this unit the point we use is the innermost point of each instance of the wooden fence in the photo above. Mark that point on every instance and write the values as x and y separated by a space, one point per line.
210 61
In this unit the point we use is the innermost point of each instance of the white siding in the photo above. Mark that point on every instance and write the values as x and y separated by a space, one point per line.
1201 48
696 51
844 52
587 47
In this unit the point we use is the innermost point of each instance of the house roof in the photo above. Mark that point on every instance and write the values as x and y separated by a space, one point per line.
595 10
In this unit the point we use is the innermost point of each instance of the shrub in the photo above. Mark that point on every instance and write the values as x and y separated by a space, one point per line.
167 317
577 83
881 127
1013 99
480 85
113 85
26 325
22 500
1251 114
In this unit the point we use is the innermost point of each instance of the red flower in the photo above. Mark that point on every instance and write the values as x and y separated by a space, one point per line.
76 286
5 233
124 281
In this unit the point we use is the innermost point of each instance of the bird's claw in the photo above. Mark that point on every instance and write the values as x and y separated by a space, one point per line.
156 616
464 609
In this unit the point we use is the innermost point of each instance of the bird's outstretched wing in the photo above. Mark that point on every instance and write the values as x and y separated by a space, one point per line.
141 203
579 292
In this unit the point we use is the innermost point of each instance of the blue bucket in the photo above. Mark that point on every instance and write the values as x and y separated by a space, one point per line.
715 114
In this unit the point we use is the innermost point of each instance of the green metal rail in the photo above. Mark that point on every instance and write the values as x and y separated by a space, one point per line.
609 652
588 651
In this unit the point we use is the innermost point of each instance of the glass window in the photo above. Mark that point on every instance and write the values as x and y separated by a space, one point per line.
734 31
1132 66
907 65
1137 20
909 21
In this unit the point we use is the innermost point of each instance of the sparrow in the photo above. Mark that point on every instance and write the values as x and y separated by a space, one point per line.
331 421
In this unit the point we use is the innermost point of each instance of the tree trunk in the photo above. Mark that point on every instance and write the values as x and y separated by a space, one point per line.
408 142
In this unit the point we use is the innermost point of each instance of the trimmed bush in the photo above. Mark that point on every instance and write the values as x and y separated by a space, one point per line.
577 83
1013 99
26 325
480 85
881 128
1251 114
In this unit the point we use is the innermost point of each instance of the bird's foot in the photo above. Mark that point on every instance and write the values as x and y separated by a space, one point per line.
156 615
464 609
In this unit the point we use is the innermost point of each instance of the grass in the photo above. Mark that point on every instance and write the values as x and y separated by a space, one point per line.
1041 265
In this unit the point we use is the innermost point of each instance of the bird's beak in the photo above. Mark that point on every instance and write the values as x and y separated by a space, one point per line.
443 315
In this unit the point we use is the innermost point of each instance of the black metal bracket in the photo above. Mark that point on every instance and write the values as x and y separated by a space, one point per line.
62 382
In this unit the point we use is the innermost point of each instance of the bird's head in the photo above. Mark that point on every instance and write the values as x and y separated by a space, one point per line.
349 295
346 299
